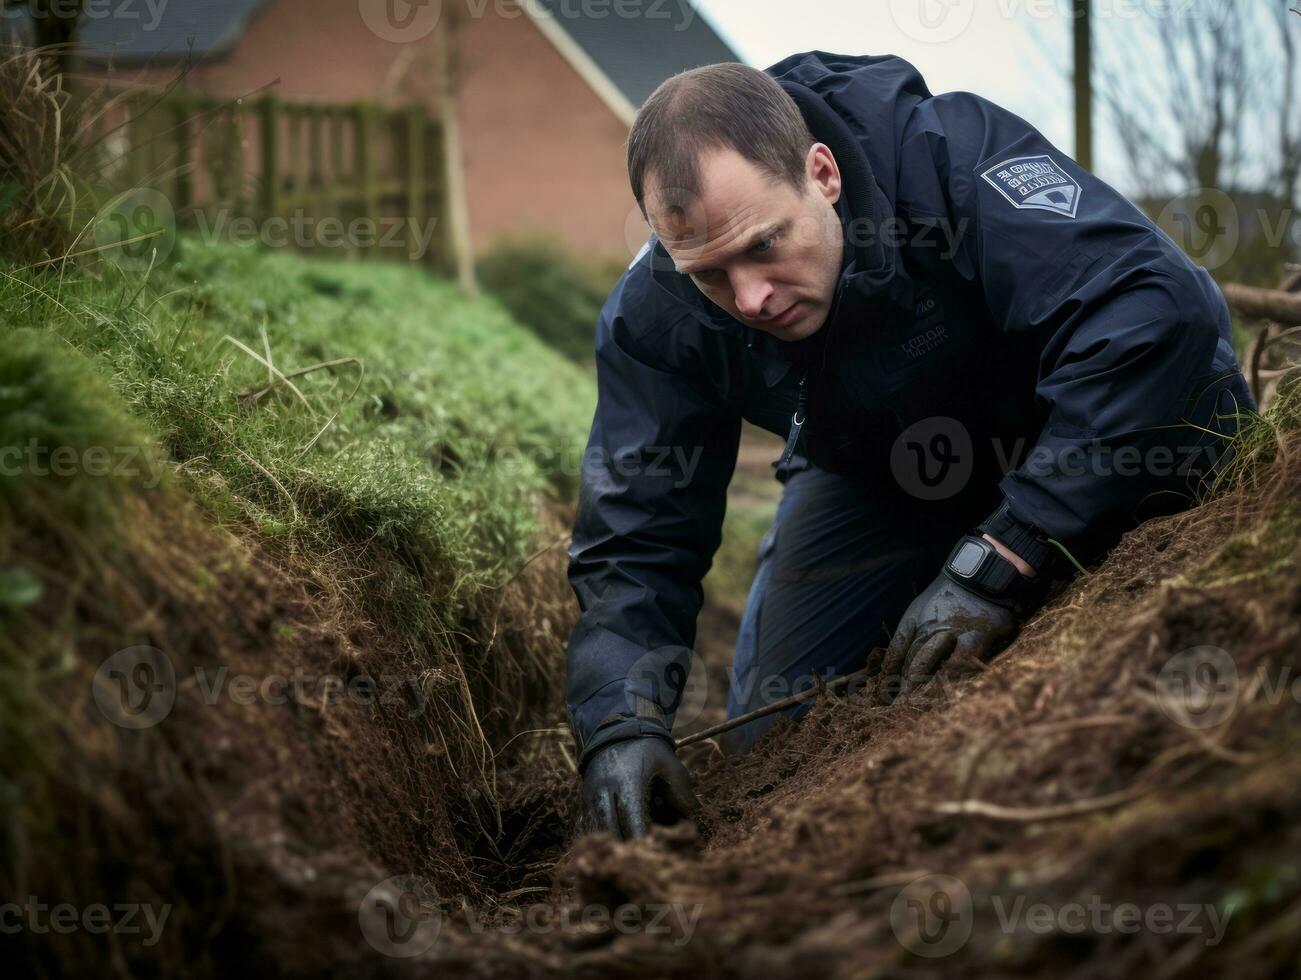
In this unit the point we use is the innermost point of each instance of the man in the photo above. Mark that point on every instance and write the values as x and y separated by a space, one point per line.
983 358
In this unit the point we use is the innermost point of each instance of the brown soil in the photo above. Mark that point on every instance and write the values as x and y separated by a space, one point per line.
1054 775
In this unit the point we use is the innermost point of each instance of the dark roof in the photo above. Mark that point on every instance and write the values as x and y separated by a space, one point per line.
638 52
206 28
662 38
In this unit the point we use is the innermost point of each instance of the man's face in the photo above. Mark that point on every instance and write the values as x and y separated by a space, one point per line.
766 252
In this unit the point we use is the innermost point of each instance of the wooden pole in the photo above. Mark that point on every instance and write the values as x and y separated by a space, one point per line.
184 188
417 179
270 157
365 160
453 210
1083 84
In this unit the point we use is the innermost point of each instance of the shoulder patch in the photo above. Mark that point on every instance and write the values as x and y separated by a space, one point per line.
1035 182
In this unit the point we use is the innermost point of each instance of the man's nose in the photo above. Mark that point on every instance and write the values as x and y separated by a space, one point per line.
751 293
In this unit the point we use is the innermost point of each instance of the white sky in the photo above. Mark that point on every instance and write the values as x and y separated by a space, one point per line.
999 49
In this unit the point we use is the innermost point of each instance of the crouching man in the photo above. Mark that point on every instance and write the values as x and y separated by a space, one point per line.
982 357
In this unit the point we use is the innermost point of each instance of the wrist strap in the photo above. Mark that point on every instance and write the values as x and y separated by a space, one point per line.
976 566
1028 545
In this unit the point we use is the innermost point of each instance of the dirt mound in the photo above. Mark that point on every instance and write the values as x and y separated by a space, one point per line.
263 746
1117 794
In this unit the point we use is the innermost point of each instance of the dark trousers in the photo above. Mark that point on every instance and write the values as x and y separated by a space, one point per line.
845 556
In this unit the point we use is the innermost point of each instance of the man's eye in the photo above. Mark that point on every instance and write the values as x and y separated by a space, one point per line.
766 245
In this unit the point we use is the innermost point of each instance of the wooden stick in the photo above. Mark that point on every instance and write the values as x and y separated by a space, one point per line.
1077 808
833 686
1264 304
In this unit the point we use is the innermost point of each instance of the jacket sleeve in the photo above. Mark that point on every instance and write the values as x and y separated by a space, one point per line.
659 458
1129 331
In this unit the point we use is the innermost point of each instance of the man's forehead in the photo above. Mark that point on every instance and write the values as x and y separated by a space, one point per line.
700 229
732 191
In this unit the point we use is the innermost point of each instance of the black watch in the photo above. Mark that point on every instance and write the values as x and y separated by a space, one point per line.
1024 542
976 565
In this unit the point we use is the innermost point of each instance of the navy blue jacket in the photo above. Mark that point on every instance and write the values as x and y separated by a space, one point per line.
987 278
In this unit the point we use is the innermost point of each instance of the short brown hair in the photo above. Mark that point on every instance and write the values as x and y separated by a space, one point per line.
725 106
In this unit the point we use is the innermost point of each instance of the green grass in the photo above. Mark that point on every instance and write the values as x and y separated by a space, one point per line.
400 487
436 436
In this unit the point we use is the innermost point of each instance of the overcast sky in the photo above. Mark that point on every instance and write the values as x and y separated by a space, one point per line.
1000 49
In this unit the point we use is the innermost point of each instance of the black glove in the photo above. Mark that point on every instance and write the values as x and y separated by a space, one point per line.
630 784
944 620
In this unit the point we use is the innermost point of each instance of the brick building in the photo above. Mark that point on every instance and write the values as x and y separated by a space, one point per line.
539 94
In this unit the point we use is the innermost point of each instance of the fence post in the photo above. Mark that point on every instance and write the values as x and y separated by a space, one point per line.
333 205
365 157
270 114
137 137
184 179
417 180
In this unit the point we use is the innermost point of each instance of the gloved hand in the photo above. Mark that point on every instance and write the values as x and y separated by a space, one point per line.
944 620
629 784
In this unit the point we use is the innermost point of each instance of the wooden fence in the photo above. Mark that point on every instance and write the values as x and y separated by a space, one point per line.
356 179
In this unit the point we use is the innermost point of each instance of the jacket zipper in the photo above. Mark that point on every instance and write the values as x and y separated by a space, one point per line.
797 422
802 404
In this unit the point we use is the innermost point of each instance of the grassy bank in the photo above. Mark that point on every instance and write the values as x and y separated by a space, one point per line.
257 465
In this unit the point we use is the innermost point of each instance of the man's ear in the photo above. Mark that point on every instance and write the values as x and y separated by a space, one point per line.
823 172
